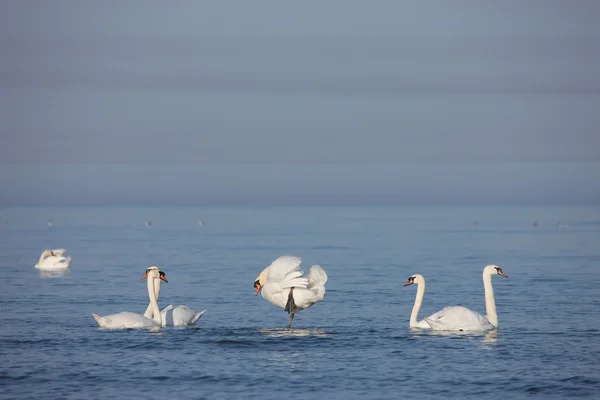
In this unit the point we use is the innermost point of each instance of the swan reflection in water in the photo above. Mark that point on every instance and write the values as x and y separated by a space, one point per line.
59 273
295 332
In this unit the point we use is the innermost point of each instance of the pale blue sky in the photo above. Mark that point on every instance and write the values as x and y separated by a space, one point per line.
307 102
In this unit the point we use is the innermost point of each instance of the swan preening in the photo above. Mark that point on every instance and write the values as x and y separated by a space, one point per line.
53 260
128 319
283 284
170 315
458 318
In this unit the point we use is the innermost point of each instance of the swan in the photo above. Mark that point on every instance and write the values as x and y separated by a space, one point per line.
53 260
458 318
128 319
283 284
170 315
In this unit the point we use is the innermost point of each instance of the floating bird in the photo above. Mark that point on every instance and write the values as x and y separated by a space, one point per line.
170 315
128 319
458 318
53 260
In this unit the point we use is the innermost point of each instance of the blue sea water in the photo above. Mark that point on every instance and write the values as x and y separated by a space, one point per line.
354 344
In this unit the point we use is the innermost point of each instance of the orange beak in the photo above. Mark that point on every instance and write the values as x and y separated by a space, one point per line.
502 274
408 283
163 277
257 287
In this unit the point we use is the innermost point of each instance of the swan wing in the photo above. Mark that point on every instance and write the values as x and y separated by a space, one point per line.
458 318
124 320
284 268
183 315
303 297
54 262
275 294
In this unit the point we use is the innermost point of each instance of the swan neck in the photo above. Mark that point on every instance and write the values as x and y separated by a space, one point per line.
153 302
156 287
490 302
43 256
418 301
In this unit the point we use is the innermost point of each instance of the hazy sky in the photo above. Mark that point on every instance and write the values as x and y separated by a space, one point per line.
299 102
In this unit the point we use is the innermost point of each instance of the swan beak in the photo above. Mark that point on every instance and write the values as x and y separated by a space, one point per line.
408 283
145 276
163 277
257 287
502 274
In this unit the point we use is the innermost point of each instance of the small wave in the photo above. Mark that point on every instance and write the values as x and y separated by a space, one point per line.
235 343
580 380
294 332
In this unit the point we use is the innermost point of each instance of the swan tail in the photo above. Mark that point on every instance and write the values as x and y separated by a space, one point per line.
319 292
197 317
99 319
316 276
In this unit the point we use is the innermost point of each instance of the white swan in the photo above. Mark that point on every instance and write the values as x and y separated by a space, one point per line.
127 319
283 284
53 260
172 316
458 318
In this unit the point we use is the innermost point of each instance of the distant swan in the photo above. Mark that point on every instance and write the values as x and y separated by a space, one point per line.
127 319
458 318
53 260
172 316
283 284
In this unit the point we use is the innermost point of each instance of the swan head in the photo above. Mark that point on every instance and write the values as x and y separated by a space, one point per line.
494 270
261 280
154 272
416 279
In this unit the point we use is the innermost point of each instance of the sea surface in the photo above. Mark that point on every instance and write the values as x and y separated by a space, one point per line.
356 344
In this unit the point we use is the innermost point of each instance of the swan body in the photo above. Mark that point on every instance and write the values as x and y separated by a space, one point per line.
124 320
53 260
180 316
173 315
284 285
458 318
131 320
